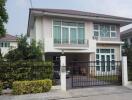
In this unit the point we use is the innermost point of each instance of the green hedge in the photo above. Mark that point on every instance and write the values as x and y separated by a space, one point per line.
1 87
26 87
24 70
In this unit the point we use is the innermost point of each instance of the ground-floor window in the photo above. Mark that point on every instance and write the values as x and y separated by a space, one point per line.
105 60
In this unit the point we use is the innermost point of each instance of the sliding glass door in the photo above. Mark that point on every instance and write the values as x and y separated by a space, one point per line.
73 36
65 35
69 35
66 32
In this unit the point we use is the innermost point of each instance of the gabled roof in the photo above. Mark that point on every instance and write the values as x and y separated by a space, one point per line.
126 33
8 37
82 15
76 12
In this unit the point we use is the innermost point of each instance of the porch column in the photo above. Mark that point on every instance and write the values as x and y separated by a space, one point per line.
92 69
124 71
63 72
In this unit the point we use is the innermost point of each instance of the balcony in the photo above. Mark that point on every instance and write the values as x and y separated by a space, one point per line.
50 45
71 44
97 38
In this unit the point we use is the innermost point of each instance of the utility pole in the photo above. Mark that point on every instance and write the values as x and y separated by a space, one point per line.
31 4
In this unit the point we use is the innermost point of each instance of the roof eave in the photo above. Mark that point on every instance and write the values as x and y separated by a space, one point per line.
32 13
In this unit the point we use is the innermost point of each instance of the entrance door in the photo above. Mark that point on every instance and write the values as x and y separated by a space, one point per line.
105 63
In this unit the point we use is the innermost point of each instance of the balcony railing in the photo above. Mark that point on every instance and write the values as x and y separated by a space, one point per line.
71 42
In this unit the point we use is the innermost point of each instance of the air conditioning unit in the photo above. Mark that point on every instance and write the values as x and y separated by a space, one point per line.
96 37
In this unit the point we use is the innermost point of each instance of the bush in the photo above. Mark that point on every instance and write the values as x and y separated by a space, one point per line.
26 87
1 87
24 70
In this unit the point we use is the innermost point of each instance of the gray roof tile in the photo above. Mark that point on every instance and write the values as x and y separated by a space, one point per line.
75 12
8 37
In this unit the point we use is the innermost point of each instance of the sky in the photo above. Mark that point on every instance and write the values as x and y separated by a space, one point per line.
18 10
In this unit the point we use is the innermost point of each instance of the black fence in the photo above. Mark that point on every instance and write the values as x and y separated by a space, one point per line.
95 73
24 70
129 63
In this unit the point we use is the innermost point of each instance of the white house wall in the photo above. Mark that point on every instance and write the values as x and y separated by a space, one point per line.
39 32
33 33
5 50
47 34
88 30
44 32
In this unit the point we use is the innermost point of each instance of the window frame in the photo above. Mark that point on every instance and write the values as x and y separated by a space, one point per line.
99 30
69 28
4 44
105 53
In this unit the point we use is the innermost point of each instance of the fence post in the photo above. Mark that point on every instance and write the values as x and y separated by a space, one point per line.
124 71
63 72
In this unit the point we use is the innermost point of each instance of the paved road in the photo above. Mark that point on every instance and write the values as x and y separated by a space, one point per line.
95 93
121 96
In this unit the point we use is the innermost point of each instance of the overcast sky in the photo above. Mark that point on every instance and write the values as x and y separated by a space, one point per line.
18 10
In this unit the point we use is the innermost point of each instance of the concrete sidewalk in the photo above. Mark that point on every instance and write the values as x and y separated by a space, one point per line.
57 94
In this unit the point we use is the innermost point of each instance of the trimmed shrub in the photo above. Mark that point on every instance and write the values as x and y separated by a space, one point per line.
1 87
26 87
24 70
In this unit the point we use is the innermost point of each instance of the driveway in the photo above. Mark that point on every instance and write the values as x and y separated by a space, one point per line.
121 96
85 81
95 93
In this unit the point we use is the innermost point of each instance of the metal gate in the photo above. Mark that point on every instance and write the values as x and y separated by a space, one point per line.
93 73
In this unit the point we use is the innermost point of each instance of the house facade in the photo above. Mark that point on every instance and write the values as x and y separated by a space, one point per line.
126 36
80 36
7 43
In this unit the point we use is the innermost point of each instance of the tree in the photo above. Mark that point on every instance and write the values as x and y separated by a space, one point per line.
35 51
25 51
1 55
127 51
3 17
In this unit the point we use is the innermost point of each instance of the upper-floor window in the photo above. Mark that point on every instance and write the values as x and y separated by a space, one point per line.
105 30
4 44
68 32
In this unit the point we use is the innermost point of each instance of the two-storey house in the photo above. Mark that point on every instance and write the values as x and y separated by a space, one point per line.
81 36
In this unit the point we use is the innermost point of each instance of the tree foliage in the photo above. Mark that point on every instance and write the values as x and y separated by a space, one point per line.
127 51
1 55
25 51
3 17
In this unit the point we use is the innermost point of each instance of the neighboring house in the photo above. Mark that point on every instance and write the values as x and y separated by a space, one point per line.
7 43
81 36
126 36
